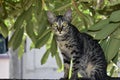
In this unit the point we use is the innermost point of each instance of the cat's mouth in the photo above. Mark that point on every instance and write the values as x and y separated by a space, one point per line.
59 30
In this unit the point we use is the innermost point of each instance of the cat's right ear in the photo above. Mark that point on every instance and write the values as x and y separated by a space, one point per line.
51 16
68 15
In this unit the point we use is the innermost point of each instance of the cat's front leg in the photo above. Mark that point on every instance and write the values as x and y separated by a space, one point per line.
75 68
66 69
74 76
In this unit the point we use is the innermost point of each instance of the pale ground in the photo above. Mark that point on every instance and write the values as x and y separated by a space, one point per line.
41 73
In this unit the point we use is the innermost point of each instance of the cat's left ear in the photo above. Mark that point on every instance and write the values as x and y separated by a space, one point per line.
51 16
68 15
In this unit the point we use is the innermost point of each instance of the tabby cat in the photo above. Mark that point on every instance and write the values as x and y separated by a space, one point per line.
87 55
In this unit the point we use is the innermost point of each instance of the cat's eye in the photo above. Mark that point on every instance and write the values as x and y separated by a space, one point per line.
54 25
64 24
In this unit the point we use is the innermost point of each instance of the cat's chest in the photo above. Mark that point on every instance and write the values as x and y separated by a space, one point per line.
65 46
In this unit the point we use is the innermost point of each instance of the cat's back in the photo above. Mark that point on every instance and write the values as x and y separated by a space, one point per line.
91 45
89 41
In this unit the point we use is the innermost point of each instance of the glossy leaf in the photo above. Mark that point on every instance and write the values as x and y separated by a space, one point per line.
45 57
106 31
113 48
115 16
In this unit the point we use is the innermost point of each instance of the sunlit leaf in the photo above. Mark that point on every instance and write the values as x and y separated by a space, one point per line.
112 70
4 30
45 57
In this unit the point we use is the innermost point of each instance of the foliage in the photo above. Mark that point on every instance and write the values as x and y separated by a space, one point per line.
99 18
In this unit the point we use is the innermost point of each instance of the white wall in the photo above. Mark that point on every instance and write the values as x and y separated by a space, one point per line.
32 68
4 67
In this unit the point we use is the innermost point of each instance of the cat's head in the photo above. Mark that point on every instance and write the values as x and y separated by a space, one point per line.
60 23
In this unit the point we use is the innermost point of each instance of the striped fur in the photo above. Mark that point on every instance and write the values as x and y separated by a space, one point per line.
88 57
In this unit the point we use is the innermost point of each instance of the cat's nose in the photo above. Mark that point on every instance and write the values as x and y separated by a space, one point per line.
60 29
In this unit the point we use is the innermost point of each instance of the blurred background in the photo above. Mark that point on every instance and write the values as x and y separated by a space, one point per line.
28 49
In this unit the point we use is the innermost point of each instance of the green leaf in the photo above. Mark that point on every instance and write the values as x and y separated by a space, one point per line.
113 48
116 34
115 59
12 39
115 16
112 70
99 25
18 39
58 60
106 31
53 48
71 67
30 31
42 28
28 14
32 45
104 44
4 29
19 21
42 23
21 48
43 40
45 57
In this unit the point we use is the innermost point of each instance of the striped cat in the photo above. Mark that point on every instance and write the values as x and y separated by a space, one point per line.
88 57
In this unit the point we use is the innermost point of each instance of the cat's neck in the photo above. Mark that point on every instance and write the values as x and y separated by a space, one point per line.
64 37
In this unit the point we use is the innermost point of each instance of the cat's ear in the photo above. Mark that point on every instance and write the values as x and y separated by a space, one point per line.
68 15
51 16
